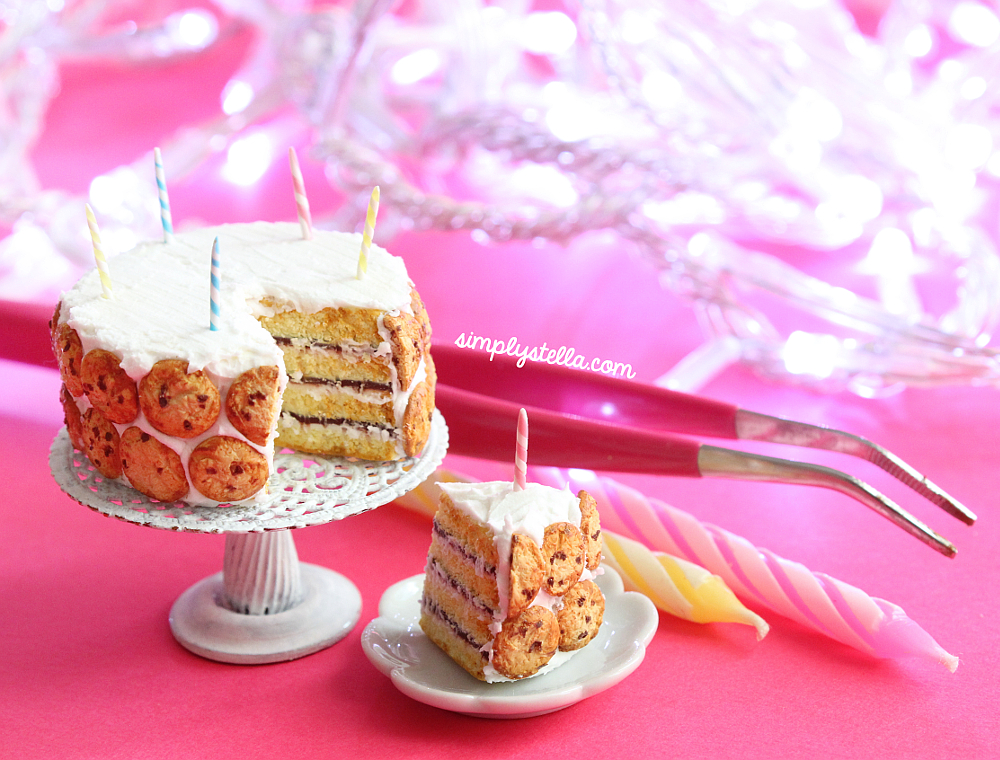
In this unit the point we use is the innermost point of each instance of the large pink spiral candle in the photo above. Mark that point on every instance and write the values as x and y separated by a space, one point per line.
815 600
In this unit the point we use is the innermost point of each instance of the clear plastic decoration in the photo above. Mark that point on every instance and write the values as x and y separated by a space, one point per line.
824 199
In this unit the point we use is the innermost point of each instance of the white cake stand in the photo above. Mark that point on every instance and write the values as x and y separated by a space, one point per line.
265 605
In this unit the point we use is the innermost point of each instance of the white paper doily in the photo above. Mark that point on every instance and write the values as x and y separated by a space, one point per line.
304 490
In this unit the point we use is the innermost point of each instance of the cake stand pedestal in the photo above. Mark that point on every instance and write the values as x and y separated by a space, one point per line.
265 605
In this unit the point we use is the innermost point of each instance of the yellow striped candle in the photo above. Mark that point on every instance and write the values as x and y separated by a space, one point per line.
677 586
102 262
366 238
674 585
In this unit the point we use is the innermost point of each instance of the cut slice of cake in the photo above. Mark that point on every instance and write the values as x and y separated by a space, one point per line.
360 381
508 587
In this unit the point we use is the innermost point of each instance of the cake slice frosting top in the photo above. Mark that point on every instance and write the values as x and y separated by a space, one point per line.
506 511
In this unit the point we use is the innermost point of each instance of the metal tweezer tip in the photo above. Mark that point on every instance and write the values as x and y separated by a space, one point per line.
761 427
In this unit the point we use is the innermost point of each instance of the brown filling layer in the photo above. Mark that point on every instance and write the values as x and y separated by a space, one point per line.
312 344
311 420
435 565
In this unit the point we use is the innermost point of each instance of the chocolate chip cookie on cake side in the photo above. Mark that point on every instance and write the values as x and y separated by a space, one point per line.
508 587
307 355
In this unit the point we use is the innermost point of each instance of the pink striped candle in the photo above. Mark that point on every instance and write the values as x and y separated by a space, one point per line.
215 313
817 601
521 453
301 201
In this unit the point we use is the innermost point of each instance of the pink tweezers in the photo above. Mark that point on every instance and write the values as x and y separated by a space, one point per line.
585 420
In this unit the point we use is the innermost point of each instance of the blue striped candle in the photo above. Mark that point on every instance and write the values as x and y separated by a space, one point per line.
216 276
161 186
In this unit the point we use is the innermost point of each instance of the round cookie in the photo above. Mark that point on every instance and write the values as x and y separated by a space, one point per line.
417 417
581 616
564 553
177 403
526 643
227 469
152 467
108 387
69 353
252 403
527 570
71 414
590 527
101 443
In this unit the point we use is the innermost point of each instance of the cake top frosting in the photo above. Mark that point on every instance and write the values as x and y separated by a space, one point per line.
160 308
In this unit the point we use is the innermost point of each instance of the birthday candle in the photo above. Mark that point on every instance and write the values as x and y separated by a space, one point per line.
677 586
832 607
301 201
366 238
215 313
102 262
674 585
161 187
521 453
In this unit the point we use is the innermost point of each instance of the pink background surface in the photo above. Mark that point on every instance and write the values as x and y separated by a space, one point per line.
89 669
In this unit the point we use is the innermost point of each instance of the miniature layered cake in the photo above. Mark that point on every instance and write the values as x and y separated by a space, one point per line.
508 587
307 355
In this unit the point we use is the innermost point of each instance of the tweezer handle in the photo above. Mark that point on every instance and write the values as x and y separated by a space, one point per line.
584 393
481 426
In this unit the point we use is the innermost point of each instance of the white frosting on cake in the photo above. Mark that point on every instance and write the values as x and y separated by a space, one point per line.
161 296
505 511
160 308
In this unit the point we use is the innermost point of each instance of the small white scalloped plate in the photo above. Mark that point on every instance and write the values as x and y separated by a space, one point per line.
397 647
